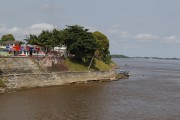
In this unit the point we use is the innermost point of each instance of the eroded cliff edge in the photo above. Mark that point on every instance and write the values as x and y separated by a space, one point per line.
25 73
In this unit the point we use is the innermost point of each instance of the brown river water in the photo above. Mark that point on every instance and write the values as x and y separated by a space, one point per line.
152 92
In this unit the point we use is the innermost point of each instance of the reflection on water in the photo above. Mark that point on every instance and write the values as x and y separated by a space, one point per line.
152 92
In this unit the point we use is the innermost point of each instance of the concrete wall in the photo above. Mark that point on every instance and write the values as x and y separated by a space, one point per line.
20 81
19 73
18 65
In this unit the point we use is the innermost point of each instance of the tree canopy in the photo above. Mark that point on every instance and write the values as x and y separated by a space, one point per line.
47 40
7 37
33 40
103 46
80 43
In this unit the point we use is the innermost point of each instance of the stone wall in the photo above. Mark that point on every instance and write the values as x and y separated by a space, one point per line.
18 65
24 81
23 73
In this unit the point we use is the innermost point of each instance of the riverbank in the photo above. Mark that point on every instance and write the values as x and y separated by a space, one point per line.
26 73
13 82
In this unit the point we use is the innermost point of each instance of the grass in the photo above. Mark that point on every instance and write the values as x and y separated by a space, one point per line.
113 65
1 83
75 65
78 66
99 65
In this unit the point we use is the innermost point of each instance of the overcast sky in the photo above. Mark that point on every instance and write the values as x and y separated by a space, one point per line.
133 27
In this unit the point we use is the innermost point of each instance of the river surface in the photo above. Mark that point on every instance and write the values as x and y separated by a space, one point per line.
151 93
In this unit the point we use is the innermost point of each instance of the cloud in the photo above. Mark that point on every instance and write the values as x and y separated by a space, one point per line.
171 39
15 30
118 33
42 26
144 37
124 34
160 39
5 30
20 33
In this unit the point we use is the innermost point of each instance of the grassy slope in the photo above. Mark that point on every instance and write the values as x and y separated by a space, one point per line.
77 66
74 66
99 65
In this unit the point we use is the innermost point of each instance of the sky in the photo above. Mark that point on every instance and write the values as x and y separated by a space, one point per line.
136 28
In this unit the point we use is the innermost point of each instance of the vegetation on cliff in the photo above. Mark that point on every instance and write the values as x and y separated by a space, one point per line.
103 47
7 37
84 47
74 65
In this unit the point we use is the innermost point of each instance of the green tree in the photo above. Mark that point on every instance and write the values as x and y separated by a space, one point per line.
45 41
57 38
7 37
80 42
103 46
83 49
33 39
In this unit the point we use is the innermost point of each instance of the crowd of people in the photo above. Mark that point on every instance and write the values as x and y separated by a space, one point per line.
23 50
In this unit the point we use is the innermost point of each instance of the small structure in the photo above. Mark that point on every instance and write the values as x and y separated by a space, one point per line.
61 51
13 48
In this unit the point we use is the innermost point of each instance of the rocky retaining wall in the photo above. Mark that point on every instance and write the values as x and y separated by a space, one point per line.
25 81
23 73
18 65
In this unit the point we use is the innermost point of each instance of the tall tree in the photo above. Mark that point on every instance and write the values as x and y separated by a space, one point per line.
45 41
57 38
103 46
80 42
7 37
33 39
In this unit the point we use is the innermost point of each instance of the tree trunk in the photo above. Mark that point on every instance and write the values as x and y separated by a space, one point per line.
91 62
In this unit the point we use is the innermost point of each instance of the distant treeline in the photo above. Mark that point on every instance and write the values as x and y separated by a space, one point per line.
119 56
158 58
123 56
